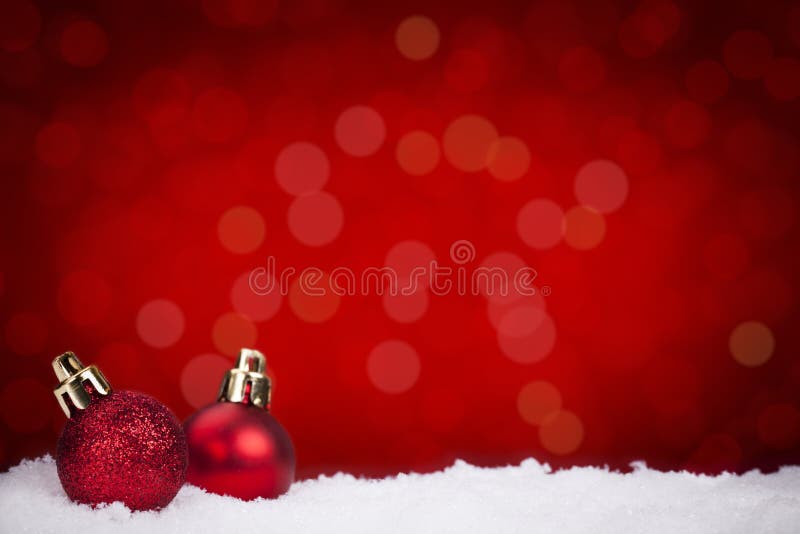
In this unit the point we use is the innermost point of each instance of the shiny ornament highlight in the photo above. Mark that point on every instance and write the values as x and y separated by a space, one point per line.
235 446
116 445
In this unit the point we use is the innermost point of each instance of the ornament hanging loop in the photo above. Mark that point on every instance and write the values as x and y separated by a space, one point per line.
247 383
72 392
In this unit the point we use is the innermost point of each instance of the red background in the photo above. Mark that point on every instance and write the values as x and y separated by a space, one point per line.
129 130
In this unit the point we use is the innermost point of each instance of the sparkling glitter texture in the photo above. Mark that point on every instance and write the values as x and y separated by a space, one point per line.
125 447
239 450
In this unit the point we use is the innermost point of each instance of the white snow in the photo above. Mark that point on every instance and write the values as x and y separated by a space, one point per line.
528 498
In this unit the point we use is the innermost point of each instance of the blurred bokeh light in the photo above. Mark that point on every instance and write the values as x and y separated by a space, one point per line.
643 158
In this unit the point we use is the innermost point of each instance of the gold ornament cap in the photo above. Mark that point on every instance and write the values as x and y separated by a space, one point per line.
74 376
247 382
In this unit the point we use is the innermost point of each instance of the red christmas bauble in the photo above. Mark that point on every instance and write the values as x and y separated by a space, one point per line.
124 447
236 447
239 450
116 445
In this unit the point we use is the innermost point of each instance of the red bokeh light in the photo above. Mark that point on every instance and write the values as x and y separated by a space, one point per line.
707 81
19 26
83 43
747 54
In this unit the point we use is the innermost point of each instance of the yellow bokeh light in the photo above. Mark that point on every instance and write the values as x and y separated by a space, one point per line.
417 153
584 228
417 38
509 159
467 142
241 229
232 331
751 343
537 400
313 300
561 432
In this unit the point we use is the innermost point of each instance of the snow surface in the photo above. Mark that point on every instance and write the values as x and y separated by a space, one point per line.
528 498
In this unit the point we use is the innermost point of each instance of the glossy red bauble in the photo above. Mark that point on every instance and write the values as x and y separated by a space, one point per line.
122 446
240 450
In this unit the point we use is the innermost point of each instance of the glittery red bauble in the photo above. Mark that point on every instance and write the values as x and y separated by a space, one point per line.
239 450
125 447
